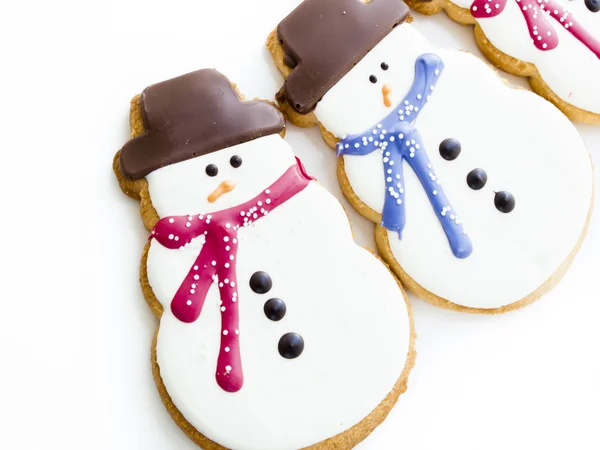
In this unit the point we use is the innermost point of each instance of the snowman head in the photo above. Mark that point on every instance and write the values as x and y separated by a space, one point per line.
342 33
204 149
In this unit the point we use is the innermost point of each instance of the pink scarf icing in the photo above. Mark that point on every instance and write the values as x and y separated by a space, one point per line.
536 14
217 263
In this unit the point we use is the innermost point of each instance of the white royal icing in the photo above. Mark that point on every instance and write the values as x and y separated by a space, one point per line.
571 70
340 298
526 146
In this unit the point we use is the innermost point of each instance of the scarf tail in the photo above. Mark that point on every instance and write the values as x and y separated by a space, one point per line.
460 243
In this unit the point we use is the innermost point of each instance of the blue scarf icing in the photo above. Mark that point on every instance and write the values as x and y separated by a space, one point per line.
399 140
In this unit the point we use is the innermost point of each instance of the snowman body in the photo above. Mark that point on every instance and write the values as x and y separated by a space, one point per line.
342 301
524 144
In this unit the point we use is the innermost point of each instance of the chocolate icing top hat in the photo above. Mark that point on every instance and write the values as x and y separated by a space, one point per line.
193 115
324 39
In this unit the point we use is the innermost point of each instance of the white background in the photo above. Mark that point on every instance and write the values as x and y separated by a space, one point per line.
75 332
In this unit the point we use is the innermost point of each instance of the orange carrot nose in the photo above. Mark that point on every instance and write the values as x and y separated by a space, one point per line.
386 90
223 188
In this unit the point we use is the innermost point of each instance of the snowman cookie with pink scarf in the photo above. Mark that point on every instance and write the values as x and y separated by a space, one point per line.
276 330
481 193
556 43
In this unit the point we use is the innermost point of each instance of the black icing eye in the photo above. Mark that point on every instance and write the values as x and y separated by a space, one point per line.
260 282
291 345
373 79
384 66
504 201
235 161
476 179
212 170
593 5
450 149
275 309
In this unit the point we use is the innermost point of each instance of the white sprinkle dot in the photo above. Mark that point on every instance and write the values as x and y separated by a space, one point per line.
226 239
228 368
171 220
189 303
227 349
171 236
223 309
213 263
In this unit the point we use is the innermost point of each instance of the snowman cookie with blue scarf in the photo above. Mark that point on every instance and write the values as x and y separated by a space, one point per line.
481 193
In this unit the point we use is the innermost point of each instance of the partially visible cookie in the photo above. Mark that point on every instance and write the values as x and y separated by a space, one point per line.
481 193
276 330
555 43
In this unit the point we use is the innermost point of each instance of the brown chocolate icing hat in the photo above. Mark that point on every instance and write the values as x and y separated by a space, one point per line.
324 39
193 115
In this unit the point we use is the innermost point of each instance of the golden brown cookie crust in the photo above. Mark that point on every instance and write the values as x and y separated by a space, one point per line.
504 61
381 237
138 190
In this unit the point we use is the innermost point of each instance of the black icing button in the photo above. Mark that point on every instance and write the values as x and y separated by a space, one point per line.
450 149
235 161
275 309
593 5
212 170
291 345
476 179
504 201
260 282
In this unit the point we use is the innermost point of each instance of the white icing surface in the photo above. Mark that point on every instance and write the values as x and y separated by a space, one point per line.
339 297
571 70
525 145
